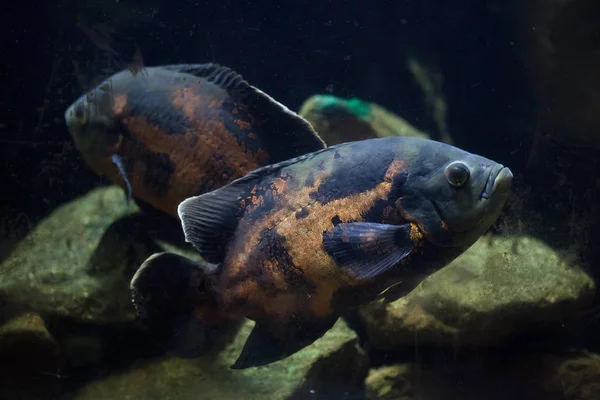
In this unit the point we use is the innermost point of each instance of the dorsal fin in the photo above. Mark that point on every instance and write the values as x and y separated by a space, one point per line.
209 220
285 133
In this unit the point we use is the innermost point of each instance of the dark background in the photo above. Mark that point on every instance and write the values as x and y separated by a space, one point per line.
291 50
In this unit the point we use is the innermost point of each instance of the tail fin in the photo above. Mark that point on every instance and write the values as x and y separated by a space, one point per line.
170 292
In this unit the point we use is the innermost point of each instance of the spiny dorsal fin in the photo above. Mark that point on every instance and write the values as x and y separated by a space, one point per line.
209 220
285 133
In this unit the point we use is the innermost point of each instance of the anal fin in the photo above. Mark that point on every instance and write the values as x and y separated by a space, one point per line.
167 291
269 342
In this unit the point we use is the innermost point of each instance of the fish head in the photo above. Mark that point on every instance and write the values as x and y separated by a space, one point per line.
93 122
452 195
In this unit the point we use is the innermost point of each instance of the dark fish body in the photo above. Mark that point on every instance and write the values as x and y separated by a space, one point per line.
183 130
296 244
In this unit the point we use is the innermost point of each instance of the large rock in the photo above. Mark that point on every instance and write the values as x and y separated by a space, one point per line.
495 376
339 120
333 364
500 287
78 262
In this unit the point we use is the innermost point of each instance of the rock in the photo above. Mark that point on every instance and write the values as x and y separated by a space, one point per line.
78 262
491 376
430 80
579 377
499 288
391 382
340 120
302 375
338 374
34 357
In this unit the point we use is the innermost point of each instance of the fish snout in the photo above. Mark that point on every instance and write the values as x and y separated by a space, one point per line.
76 116
499 180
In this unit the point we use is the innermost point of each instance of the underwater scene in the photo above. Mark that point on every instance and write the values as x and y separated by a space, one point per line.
300 200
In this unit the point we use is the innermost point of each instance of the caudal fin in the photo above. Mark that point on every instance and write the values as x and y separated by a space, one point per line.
168 292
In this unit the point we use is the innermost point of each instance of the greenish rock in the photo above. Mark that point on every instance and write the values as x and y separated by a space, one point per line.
490 376
75 265
335 359
339 120
430 79
390 382
499 288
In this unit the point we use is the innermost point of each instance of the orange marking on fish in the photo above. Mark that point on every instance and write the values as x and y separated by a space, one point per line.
415 233
303 240
216 103
252 136
396 167
198 102
198 158
120 102
280 185
188 101
244 125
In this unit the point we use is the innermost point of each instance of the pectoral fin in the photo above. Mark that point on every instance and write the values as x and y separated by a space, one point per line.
118 161
367 249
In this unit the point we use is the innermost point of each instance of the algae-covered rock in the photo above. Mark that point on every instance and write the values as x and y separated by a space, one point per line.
491 376
338 373
30 359
579 377
339 120
500 287
390 382
209 377
78 261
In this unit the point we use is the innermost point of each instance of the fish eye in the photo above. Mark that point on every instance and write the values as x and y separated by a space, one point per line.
457 174
80 113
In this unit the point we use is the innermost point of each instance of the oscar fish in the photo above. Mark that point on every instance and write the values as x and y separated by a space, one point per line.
295 245
177 131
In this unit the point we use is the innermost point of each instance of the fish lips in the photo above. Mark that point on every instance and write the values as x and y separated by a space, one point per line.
499 178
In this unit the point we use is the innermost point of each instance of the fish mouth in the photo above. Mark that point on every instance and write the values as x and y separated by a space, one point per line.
499 178
70 120
77 113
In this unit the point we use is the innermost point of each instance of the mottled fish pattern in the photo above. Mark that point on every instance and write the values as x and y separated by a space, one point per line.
183 130
296 244
276 264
